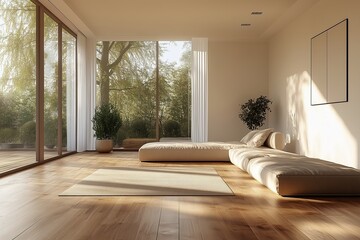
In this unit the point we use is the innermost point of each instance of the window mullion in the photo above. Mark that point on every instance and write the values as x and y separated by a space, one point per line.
39 84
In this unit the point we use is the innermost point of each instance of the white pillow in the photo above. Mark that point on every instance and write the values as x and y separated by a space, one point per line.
259 138
248 136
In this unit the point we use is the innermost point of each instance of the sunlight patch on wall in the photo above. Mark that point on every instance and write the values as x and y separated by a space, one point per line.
296 119
317 131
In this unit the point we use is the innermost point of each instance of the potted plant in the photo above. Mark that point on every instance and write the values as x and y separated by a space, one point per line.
253 112
106 123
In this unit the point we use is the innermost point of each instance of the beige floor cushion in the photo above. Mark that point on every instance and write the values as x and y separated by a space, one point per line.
292 175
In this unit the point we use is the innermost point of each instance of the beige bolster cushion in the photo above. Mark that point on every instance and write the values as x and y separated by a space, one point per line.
276 140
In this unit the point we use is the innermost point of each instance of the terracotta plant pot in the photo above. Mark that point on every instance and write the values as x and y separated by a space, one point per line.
104 146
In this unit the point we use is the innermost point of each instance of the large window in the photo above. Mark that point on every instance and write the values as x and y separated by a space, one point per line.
149 82
17 83
37 85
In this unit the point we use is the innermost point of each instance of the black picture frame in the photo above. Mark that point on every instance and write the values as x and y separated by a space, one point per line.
314 68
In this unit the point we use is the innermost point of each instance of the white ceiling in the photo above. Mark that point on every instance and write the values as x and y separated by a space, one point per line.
184 19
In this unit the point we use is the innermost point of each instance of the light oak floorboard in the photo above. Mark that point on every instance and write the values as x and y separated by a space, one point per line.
30 208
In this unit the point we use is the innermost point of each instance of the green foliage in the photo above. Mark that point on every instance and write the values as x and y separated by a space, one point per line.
120 136
51 128
106 122
8 135
172 129
8 115
16 110
64 133
25 108
179 105
28 133
18 45
253 112
139 128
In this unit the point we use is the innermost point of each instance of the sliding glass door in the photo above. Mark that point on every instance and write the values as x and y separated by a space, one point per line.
37 85
59 89
17 84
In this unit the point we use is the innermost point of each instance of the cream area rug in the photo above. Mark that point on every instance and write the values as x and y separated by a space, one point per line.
153 181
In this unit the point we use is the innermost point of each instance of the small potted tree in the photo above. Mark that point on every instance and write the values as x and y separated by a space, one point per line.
253 112
106 123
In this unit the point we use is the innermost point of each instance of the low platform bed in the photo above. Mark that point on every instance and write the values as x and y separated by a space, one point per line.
208 151
186 151
284 173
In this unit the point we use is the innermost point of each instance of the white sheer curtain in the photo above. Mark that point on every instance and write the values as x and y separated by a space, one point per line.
199 90
81 106
86 92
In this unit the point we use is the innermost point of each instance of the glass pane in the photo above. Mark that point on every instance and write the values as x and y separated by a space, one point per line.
51 65
126 77
175 89
68 92
17 83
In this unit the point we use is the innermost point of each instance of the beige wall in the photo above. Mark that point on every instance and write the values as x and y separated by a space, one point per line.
237 71
330 131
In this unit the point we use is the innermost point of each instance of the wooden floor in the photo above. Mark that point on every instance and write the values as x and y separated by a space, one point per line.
10 160
31 209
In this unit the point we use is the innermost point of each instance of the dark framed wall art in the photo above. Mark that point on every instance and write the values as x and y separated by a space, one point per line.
329 65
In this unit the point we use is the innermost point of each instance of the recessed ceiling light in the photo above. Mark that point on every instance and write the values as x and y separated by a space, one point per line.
256 13
245 24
